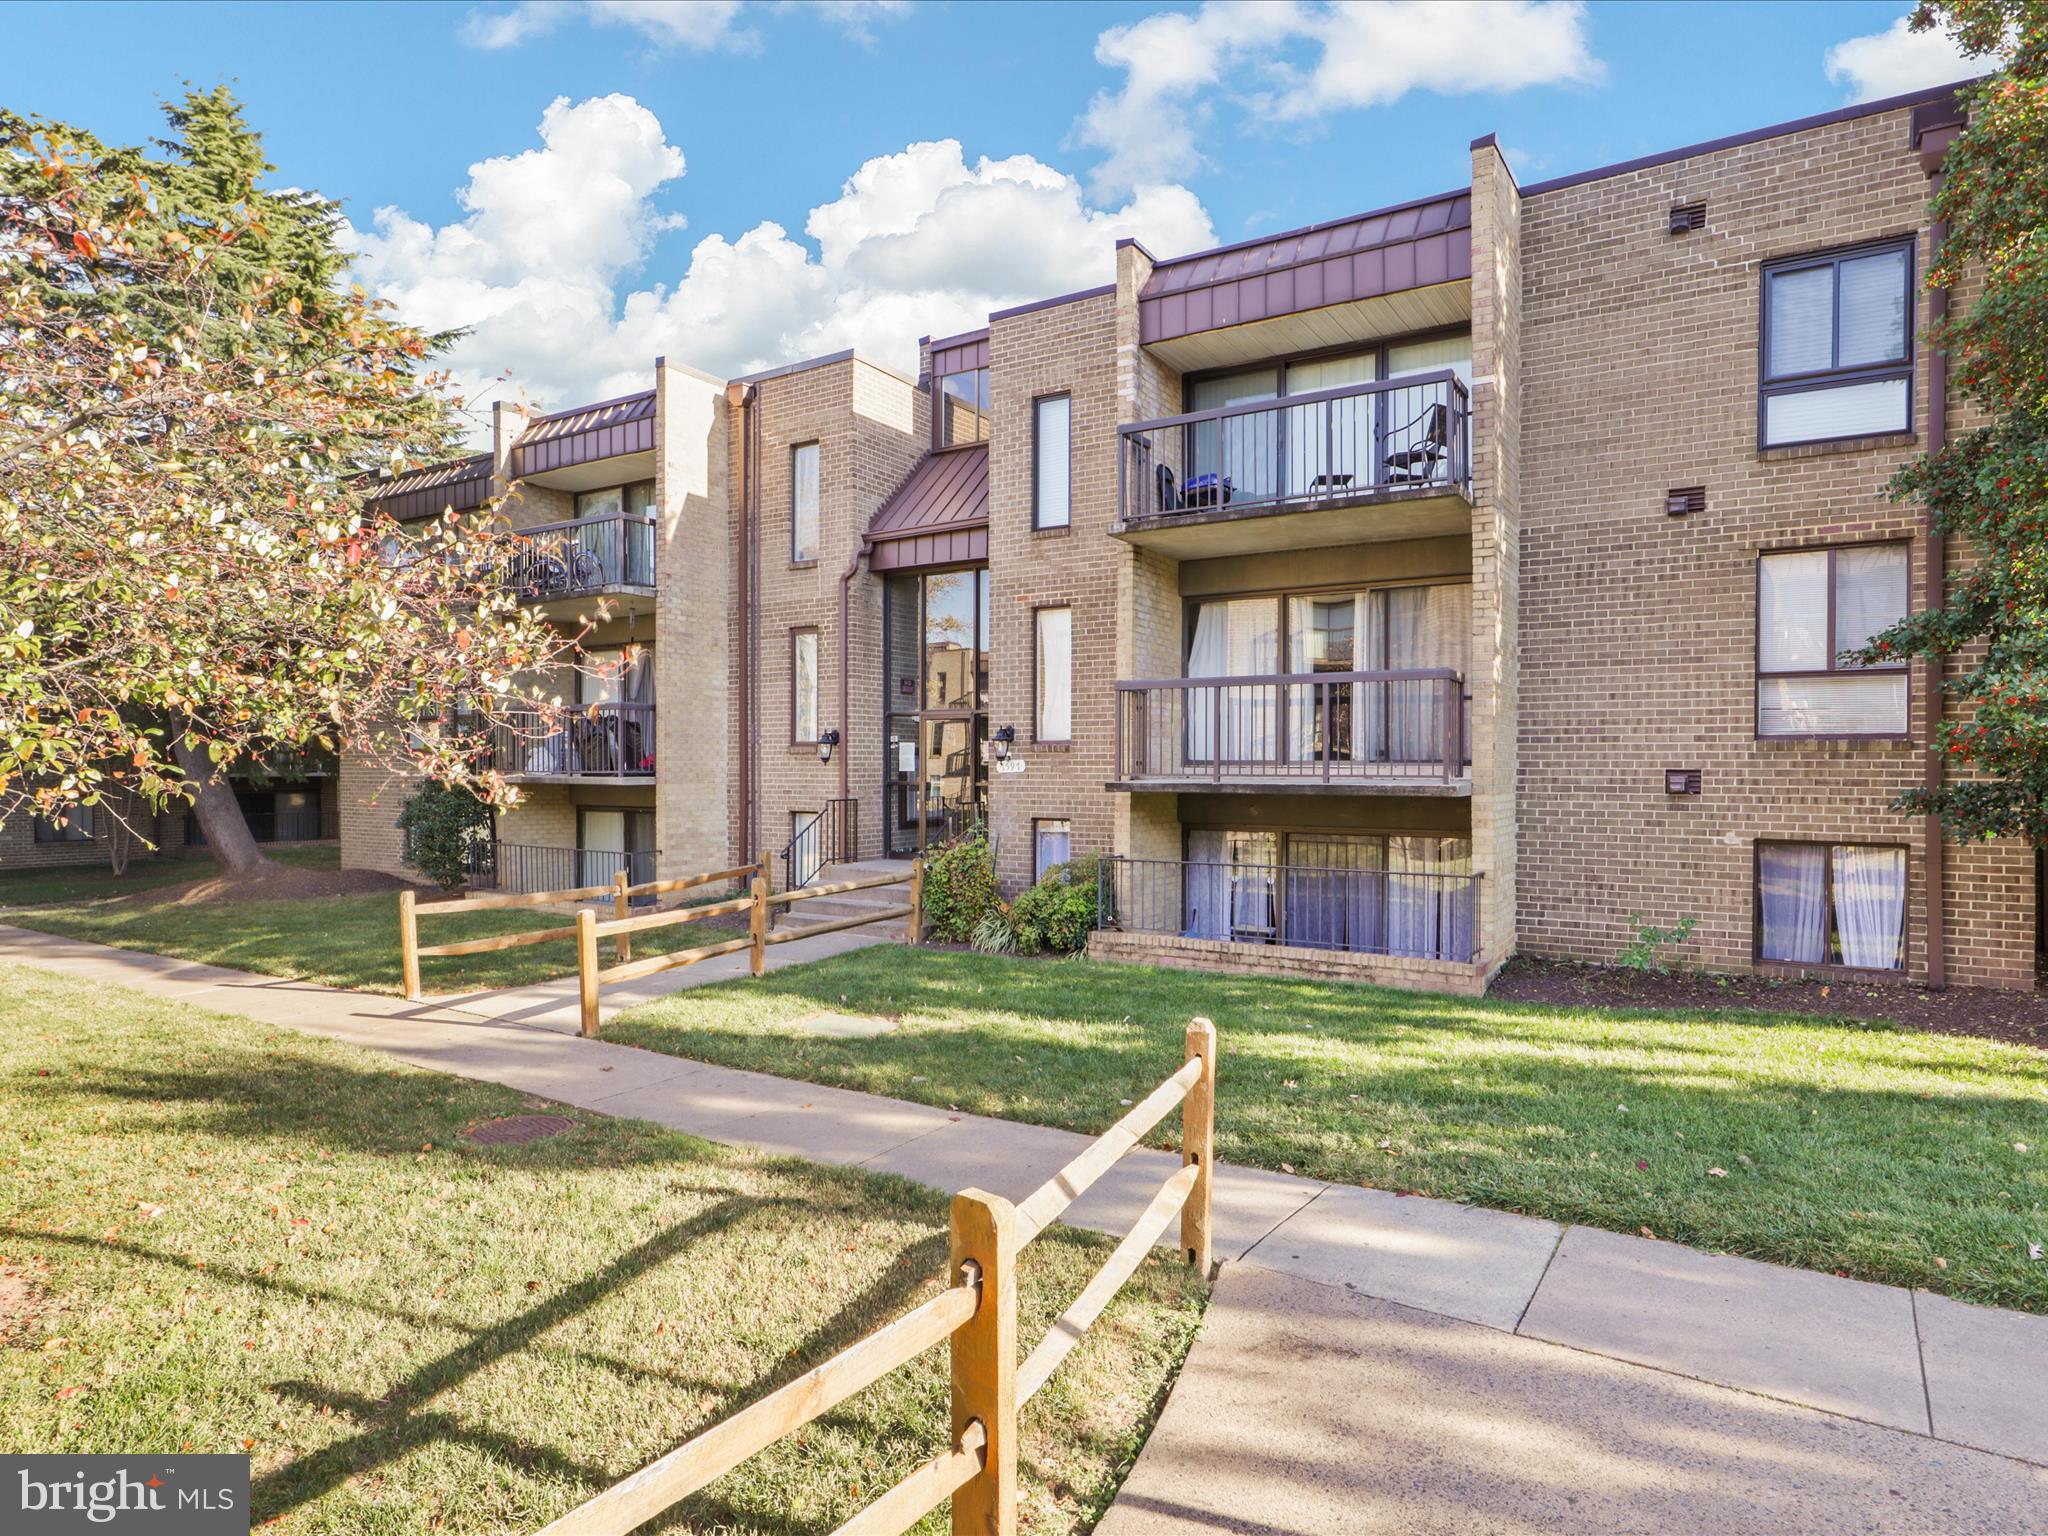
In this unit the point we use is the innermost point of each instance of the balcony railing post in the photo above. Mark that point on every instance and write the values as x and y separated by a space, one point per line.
1329 692
1216 733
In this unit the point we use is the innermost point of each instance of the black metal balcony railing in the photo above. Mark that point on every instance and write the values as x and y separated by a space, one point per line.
592 741
1358 911
592 554
1301 452
518 868
1332 727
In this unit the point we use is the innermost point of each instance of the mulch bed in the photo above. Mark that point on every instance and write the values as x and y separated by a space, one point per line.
2019 1018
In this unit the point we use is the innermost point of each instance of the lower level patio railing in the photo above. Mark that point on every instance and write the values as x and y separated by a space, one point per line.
519 868
1411 914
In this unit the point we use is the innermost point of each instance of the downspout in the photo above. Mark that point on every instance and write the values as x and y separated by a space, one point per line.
744 576
1934 854
846 661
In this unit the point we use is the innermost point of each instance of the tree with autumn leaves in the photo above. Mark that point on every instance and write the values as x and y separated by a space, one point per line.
1990 484
194 404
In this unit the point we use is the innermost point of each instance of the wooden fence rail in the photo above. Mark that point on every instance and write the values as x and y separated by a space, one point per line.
977 1316
589 930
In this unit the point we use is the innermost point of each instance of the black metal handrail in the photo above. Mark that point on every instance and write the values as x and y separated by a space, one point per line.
519 868
589 554
1299 452
1400 913
588 741
1336 727
830 836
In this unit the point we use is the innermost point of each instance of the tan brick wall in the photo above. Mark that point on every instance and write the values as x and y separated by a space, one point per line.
371 797
1290 960
1065 349
871 427
1638 645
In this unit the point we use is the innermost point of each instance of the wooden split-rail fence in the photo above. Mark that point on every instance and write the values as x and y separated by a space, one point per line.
589 931
976 1317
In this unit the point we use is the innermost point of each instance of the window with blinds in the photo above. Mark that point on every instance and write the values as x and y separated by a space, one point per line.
1837 352
1812 605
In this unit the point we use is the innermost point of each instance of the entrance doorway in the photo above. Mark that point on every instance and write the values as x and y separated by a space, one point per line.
935 660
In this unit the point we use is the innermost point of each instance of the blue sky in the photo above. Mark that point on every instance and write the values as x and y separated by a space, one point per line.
1181 124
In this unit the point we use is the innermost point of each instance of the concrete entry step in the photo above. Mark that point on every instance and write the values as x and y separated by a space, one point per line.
833 909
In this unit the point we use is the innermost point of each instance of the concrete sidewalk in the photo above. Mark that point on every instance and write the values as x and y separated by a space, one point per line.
1903 1360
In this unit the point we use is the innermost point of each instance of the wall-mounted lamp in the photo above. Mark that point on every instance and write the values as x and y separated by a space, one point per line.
1004 739
826 743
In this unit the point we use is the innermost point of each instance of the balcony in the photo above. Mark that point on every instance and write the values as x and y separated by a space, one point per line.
521 868
608 742
1384 460
606 556
1395 914
1355 732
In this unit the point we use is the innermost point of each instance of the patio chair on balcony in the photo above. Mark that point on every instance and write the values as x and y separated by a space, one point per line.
1169 496
1418 463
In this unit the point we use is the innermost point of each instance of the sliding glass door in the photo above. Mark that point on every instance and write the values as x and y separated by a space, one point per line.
935 663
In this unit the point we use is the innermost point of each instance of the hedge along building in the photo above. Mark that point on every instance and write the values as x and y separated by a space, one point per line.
1379 598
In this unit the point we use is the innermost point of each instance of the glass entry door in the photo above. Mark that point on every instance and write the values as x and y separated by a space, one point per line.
935 774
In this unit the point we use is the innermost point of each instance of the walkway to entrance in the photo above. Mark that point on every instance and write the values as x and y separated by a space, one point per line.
1372 1361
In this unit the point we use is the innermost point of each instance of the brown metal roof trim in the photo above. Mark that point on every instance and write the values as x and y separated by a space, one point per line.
1413 246
462 484
947 492
960 354
588 433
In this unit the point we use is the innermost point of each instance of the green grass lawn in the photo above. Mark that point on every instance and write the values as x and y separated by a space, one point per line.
95 882
1890 1155
340 941
236 1238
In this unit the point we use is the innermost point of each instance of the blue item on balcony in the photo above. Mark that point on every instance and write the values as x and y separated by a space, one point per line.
1206 490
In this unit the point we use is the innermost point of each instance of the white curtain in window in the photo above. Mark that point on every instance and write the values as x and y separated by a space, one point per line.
1411 629
804 660
1870 592
1208 913
1245 450
1055 847
1428 910
603 848
1870 906
1335 889
803 520
1324 634
1802 321
1052 453
1234 639
1869 409
1847 704
1055 674
1792 611
1334 441
1792 886
1873 310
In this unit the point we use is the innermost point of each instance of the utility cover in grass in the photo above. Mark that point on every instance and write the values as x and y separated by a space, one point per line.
845 1026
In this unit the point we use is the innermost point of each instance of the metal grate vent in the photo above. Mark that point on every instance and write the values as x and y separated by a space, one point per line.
1684 500
1681 781
1687 217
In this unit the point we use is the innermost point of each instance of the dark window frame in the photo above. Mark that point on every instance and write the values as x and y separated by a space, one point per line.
796 633
1828 931
78 827
1833 667
1769 387
1037 701
622 487
984 415
1038 523
818 513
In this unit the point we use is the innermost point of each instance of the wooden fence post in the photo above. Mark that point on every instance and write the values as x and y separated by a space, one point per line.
622 906
915 935
1198 1145
757 921
984 1235
586 970
409 945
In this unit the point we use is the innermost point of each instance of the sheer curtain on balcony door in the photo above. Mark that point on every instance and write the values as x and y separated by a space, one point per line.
1332 442
1238 638
1408 412
1245 450
1411 629
1230 885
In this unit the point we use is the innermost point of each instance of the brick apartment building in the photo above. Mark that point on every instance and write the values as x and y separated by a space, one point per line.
1380 599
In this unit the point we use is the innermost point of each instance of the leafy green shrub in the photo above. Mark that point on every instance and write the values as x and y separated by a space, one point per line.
959 888
1058 913
442 823
995 934
1645 951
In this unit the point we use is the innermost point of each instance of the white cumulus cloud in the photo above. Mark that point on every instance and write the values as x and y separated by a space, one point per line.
547 266
1898 60
1288 61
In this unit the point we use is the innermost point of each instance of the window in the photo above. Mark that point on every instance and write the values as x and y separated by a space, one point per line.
1837 354
803 687
963 407
803 511
1831 904
1812 605
1051 461
1052 844
74 827
635 500
1054 647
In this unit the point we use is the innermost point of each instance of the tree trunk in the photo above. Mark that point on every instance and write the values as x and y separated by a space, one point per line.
219 812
